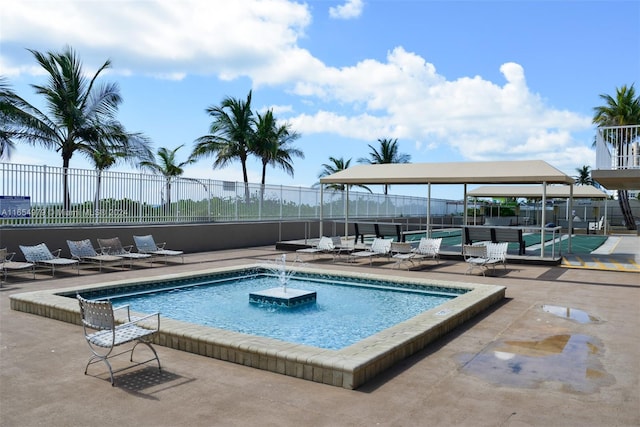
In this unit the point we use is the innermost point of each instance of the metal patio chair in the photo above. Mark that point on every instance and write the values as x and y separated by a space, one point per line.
103 333
147 245
41 255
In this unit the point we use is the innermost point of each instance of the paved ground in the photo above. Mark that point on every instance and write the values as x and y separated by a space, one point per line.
561 350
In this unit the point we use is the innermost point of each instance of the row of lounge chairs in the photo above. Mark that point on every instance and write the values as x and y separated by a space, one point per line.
401 252
110 251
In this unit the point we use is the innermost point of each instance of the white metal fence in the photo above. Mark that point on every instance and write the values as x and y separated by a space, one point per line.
618 147
35 195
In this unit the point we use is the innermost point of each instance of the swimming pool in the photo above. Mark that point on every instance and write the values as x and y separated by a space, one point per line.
348 367
346 311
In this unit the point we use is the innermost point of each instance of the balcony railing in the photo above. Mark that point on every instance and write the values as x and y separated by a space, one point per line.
618 147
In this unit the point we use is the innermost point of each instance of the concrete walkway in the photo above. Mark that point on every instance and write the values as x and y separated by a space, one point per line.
561 350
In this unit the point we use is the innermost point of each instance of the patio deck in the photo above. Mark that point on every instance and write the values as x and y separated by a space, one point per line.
517 364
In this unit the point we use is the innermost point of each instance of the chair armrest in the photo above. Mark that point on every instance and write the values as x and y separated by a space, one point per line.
136 320
56 253
161 245
124 307
128 248
9 256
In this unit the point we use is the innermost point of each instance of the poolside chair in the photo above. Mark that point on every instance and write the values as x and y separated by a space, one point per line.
146 245
83 251
41 255
103 333
496 254
429 248
379 247
6 258
402 253
475 256
113 246
324 245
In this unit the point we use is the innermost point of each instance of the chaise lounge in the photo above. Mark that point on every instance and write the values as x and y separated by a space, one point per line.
41 255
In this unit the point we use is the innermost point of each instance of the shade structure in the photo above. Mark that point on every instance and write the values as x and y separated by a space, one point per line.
535 192
496 172
500 172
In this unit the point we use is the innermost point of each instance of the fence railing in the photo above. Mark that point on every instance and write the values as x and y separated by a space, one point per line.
618 147
46 195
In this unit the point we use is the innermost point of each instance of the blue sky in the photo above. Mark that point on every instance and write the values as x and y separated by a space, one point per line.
451 80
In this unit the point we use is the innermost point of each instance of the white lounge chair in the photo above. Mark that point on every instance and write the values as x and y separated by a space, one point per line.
41 255
324 246
379 247
83 251
113 246
6 258
485 256
146 245
428 248
103 333
475 256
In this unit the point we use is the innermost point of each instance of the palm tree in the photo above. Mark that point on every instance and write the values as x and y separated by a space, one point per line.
104 156
335 166
166 166
271 144
388 154
622 110
7 118
584 176
230 135
80 115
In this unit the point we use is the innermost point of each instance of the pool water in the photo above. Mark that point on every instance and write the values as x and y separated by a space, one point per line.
344 313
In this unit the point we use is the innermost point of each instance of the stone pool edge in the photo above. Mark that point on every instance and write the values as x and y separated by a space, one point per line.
348 368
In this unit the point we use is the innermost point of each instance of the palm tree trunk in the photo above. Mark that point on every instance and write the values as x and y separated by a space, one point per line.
66 198
627 213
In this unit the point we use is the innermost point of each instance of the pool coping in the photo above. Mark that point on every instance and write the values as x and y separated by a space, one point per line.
349 367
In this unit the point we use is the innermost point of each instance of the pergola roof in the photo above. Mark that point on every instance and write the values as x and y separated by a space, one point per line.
502 172
533 192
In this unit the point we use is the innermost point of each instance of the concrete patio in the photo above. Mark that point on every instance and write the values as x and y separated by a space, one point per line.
524 362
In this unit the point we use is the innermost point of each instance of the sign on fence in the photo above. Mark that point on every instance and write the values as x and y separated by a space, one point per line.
15 207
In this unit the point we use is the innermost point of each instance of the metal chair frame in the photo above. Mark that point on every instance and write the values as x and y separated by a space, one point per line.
104 334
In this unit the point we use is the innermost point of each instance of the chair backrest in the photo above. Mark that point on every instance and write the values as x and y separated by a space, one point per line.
497 250
429 246
325 244
145 243
96 314
336 240
401 247
37 253
474 251
111 246
3 254
81 248
381 246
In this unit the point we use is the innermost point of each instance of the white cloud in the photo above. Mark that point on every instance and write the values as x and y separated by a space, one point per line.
351 9
402 97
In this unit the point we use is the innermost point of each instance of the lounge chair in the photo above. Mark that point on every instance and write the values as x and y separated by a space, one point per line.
103 333
475 256
402 253
379 247
6 258
496 254
41 255
325 245
83 251
485 256
113 246
428 248
146 245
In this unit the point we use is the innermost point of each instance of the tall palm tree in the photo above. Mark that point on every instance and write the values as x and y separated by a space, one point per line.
8 118
167 166
388 154
230 135
584 176
622 110
271 144
81 113
104 156
336 165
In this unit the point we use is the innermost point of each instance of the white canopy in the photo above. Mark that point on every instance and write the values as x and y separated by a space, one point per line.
535 192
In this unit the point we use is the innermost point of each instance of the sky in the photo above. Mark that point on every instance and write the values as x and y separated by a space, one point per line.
452 81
